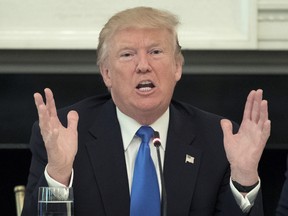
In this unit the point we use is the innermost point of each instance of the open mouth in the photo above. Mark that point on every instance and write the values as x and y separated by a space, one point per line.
145 86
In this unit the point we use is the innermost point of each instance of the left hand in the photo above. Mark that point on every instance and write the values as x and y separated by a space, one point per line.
244 149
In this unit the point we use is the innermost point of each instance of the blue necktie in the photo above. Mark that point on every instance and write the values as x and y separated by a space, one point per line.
145 196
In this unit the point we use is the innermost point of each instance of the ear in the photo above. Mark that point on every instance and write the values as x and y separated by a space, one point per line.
105 72
178 72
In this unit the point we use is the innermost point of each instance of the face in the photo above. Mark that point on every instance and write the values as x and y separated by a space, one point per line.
141 72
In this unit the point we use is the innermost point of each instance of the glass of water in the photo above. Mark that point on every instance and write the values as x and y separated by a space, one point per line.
55 201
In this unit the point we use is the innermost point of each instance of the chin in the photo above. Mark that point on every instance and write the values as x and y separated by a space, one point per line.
150 107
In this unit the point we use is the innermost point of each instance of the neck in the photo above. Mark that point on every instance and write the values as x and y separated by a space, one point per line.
146 118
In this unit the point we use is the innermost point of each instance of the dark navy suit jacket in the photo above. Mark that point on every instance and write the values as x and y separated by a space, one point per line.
100 177
282 209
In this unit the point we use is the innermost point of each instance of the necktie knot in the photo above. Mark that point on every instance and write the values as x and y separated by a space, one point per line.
145 133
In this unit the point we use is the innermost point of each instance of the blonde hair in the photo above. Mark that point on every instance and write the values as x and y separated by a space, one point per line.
139 17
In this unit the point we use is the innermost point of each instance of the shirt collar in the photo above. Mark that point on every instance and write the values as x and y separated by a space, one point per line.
129 127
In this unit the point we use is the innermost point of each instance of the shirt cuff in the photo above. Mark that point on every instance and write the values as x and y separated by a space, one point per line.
53 183
245 203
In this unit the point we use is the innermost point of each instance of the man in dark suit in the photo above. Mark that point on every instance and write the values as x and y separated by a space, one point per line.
282 208
210 167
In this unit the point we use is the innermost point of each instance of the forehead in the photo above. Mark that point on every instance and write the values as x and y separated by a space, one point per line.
141 36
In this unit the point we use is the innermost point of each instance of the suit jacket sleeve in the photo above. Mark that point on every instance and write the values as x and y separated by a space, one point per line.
36 176
282 208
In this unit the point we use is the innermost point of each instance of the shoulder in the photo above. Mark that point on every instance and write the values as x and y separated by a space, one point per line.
86 108
198 116
192 111
86 104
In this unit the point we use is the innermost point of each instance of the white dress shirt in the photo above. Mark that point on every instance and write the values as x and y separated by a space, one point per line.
131 144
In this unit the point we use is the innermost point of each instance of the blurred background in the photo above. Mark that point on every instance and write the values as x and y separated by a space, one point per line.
230 48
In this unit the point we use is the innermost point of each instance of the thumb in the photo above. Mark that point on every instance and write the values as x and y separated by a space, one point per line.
72 119
226 126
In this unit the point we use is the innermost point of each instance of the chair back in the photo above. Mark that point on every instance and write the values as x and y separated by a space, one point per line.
19 191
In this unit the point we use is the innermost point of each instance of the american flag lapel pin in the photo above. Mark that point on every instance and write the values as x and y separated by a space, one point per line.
189 159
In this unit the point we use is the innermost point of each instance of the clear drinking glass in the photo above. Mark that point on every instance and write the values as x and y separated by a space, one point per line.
55 201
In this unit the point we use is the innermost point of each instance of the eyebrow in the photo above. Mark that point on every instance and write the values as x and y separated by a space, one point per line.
130 47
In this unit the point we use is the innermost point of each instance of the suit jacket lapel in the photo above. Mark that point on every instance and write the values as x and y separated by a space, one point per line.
108 160
182 162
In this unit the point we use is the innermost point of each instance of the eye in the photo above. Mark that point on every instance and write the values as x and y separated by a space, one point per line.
156 51
126 55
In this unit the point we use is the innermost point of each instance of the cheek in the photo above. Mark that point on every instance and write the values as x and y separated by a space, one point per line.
112 77
118 82
174 75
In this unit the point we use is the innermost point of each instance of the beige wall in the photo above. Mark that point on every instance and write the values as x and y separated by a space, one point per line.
206 24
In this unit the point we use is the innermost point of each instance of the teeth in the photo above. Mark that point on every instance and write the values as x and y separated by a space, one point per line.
145 89
145 86
145 82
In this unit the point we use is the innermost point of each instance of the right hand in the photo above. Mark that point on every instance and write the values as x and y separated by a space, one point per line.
61 143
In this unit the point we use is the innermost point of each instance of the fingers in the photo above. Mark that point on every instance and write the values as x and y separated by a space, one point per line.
46 112
264 123
72 119
266 131
263 114
248 105
226 127
255 113
38 99
41 108
252 110
50 102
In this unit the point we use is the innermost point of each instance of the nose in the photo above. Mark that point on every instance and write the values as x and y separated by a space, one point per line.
143 65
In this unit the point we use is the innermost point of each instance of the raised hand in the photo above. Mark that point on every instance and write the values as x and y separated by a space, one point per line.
61 143
244 149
